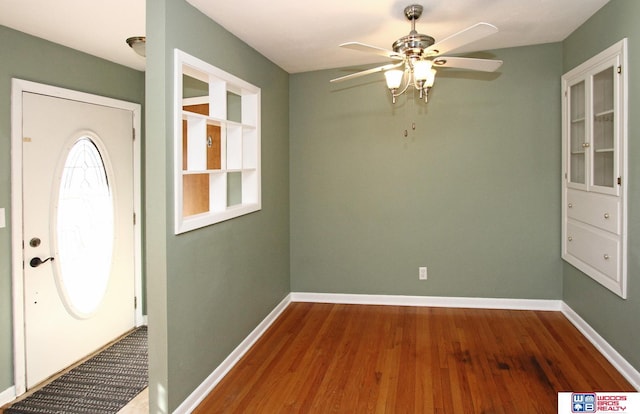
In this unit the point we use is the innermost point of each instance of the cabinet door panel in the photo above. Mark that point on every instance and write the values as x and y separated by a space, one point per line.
604 172
577 134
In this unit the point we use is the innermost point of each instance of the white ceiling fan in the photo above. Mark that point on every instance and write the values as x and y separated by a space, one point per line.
420 55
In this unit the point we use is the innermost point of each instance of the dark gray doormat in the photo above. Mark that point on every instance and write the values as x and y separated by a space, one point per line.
102 385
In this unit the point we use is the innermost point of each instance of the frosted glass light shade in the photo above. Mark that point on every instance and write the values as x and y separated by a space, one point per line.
422 70
138 44
430 78
394 78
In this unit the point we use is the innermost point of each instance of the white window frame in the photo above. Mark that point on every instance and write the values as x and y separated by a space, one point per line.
241 156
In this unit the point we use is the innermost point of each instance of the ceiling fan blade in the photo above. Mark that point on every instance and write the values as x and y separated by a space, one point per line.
463 37
362 47
485 65
367 72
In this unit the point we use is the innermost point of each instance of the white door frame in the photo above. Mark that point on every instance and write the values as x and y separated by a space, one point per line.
19 86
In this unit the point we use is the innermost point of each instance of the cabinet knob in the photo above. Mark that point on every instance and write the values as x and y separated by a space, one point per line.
570 238
606 256
585 145
570 205
606 215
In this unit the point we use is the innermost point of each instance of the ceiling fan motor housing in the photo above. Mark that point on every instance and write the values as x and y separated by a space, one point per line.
414 44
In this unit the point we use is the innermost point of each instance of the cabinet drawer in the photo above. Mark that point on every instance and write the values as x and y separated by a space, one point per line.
597 249
595 209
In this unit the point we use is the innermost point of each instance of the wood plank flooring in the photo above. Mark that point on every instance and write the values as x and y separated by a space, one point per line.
327 358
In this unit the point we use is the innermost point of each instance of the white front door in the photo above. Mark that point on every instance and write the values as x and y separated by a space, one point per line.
77 169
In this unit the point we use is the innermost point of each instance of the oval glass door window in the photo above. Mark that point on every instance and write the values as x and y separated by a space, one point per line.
84 228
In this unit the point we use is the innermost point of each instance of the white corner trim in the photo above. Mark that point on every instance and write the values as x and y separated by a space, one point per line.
625 368
433 301
7 395
196 397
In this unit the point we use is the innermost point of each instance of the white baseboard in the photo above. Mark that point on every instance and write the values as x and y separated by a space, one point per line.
196 397
625 368
433 301
7 395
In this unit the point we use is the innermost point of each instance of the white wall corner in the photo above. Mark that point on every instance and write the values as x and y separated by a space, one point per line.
7 395
622 365
199 394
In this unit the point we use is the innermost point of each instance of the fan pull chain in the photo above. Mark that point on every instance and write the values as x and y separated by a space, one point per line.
406 131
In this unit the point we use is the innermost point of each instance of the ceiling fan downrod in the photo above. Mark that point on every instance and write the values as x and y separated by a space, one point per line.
413 13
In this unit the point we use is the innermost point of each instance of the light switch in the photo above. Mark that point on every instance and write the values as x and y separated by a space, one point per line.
2 220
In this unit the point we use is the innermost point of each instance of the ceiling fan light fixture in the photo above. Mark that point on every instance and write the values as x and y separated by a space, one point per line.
138 44
421 70
394 78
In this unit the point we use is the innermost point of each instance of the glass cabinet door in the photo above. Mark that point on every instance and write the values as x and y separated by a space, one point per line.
577 134
603 130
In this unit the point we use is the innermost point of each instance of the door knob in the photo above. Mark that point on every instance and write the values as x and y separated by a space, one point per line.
36 261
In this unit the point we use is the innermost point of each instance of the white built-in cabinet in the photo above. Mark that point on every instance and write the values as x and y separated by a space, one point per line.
594 191
217 145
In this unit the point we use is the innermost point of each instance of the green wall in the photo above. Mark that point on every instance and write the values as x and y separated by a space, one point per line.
209 288
30 58
349 204
614 318
473 193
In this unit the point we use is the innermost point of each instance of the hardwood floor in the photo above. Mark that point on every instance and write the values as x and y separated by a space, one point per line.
326 358
139 405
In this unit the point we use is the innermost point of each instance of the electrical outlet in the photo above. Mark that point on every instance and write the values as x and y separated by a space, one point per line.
422 273
3 222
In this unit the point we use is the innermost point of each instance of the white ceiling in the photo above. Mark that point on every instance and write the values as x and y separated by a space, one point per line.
301 36
97 27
